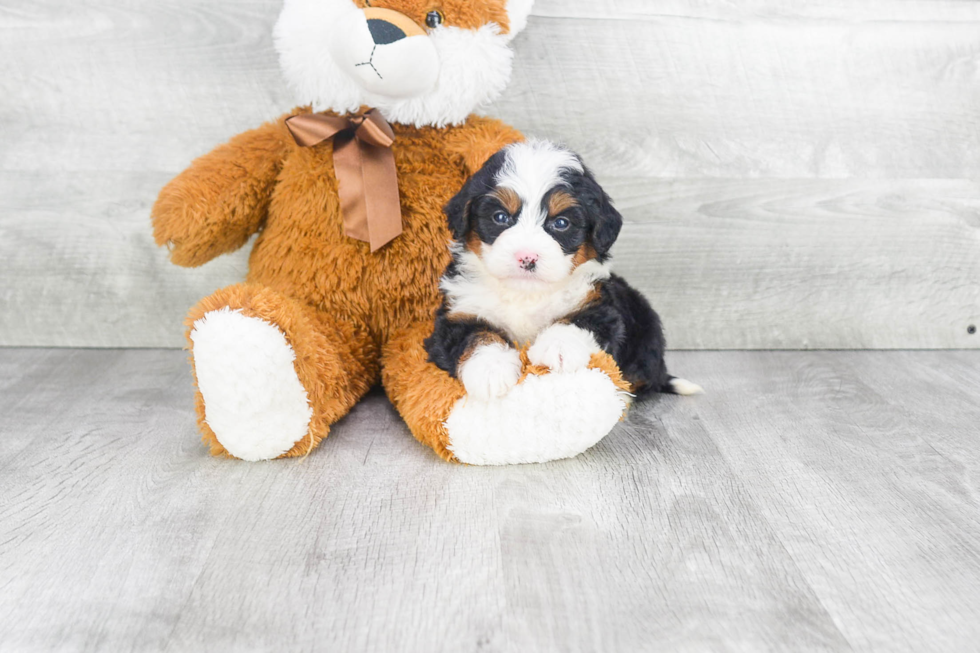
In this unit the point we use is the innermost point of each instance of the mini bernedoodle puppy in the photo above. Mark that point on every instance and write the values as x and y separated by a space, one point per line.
532 231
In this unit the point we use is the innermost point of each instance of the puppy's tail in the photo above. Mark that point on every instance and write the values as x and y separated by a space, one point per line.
682 387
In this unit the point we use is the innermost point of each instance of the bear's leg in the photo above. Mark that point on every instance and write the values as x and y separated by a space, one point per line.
273 373
547 416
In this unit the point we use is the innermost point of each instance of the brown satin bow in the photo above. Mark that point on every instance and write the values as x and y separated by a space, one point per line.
365 168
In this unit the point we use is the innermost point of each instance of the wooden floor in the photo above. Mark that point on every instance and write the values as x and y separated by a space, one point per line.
809 501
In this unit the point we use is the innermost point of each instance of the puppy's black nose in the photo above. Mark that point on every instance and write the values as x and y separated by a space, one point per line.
384 32
528 264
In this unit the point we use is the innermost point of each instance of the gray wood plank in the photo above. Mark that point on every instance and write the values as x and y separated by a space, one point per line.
880 11
872 106
737 93
79 266
814 89
876 477
728 263
810 501
805 264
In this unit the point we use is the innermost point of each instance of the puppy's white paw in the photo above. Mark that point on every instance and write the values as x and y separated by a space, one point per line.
563 348
490 371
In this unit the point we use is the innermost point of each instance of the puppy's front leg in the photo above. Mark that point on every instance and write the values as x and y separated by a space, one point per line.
563 348
490 370
475 353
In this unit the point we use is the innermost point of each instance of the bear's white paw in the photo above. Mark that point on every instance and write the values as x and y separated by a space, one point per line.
563 348
544 418
253 400
490 371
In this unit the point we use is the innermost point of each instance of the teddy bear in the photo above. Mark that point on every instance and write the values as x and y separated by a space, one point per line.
346 196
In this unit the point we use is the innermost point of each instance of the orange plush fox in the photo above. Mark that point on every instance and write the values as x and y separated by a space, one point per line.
324 315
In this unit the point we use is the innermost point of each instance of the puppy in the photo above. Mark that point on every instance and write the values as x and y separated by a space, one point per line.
532 231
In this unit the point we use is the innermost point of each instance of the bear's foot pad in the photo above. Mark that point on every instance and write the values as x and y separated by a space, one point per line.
547 417
253 400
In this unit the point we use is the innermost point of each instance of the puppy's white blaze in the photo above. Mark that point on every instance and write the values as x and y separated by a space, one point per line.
563 348
552 266
685 388
490 371
521 312
533 168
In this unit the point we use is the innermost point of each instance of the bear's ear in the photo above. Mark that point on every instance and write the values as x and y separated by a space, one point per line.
517 12
481 183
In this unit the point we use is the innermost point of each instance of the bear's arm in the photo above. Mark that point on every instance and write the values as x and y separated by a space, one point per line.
216 204
479 139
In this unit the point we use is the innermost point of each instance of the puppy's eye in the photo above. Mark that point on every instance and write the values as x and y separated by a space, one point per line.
434 19
561 224
501 218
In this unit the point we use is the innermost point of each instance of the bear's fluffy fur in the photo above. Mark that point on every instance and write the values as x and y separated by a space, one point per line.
350 318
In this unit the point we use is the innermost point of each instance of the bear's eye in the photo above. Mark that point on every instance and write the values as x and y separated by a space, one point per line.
561 224
434 19
501 218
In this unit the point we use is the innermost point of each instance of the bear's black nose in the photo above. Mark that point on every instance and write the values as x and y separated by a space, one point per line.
384 32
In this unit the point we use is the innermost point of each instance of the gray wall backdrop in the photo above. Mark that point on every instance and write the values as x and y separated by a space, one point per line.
793 174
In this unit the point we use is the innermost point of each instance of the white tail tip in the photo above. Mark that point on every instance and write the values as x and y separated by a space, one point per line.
685 388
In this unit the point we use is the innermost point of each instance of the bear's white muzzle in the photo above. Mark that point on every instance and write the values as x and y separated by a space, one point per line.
386 53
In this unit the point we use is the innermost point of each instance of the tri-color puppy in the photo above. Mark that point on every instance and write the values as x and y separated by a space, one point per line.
532 232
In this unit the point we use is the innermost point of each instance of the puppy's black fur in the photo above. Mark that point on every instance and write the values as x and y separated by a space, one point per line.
618 316
455 337
629 330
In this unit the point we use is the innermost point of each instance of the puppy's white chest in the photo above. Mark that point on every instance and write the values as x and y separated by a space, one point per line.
521 314
524 317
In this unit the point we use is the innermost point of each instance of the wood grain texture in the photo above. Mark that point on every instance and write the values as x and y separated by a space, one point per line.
805 264
872 108
876 11
729 264
661 89
810 501
797 89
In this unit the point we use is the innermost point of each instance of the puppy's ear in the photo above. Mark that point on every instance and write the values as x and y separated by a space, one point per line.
458 209
606 220
458 212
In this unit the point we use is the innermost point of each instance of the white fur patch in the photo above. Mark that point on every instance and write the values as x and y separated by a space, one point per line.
403 69
490 371
521 312
544 418
474 65
253 400
518 12
531 169
502 257
685 388
563 348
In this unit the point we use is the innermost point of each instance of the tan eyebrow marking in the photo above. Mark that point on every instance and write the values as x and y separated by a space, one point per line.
509 199
559 202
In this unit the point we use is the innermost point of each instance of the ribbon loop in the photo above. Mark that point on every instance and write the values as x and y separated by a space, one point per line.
365 169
